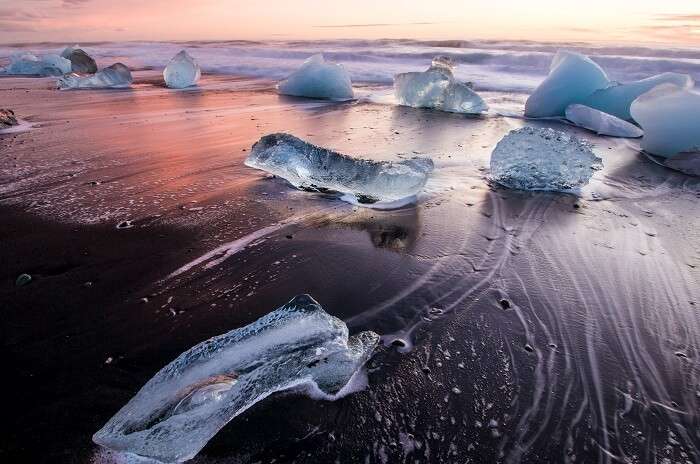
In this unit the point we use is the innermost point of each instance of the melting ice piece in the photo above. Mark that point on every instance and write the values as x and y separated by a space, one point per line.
188 401
437 88
7 119
309 167
572 78
81 62
29 64
542 159
601 123
116 76
182 71
618 98
317 78
670 117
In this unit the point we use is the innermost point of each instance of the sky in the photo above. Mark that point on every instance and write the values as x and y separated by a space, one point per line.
68 21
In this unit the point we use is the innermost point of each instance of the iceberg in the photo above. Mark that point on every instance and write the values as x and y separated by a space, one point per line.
81 62
601 123
437 88
182 71
617 98
188 401
572 78
542 159
29 64
317 78
116 76
670 118
313 168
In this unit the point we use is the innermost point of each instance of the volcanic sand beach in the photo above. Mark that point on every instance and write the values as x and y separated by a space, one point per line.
517 326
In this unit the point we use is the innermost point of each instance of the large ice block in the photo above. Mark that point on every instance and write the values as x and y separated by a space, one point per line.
601 123
182 71
437 88
29 64
618 98
572 78
188 401
81 62
116 76
542 159
309 167
670 117
318 78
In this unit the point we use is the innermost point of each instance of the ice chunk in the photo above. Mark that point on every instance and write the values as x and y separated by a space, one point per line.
670 117
618 98
601 123
185 404
572 78
81 62
542 159
182 71
317 78
116 76
309 167
437 88
29 64
7 119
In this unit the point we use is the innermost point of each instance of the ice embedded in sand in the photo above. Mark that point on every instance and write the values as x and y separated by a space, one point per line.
318 78
572 78
188 401
437 88
601 123
670 117
116 76
182 71
543 159
29 64
81 62
309 167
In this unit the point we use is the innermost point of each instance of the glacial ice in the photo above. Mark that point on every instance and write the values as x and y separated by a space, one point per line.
309 167
317 78
617 98
116 76
182 71
29 64
437 88
600 122
542 159
572 78
81 62
188 401
670 118
7 118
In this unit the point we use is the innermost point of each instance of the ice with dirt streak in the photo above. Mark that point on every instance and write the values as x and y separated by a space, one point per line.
188 401
29 64
318 78
309 167
601 123
182 71
543 159
437 88
117 76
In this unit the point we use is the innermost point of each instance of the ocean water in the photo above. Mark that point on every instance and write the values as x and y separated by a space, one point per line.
505 66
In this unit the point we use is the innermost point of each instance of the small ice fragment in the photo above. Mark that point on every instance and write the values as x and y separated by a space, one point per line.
618 98
572 78
670 117
182 71
318 78
437 88
7 118
81 62
28 64
601 123
542 159
116 76
188 401
309 167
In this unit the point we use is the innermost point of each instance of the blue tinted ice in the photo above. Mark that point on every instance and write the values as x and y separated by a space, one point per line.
318 78
116 76
29 64
601 123
188 401
182 71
